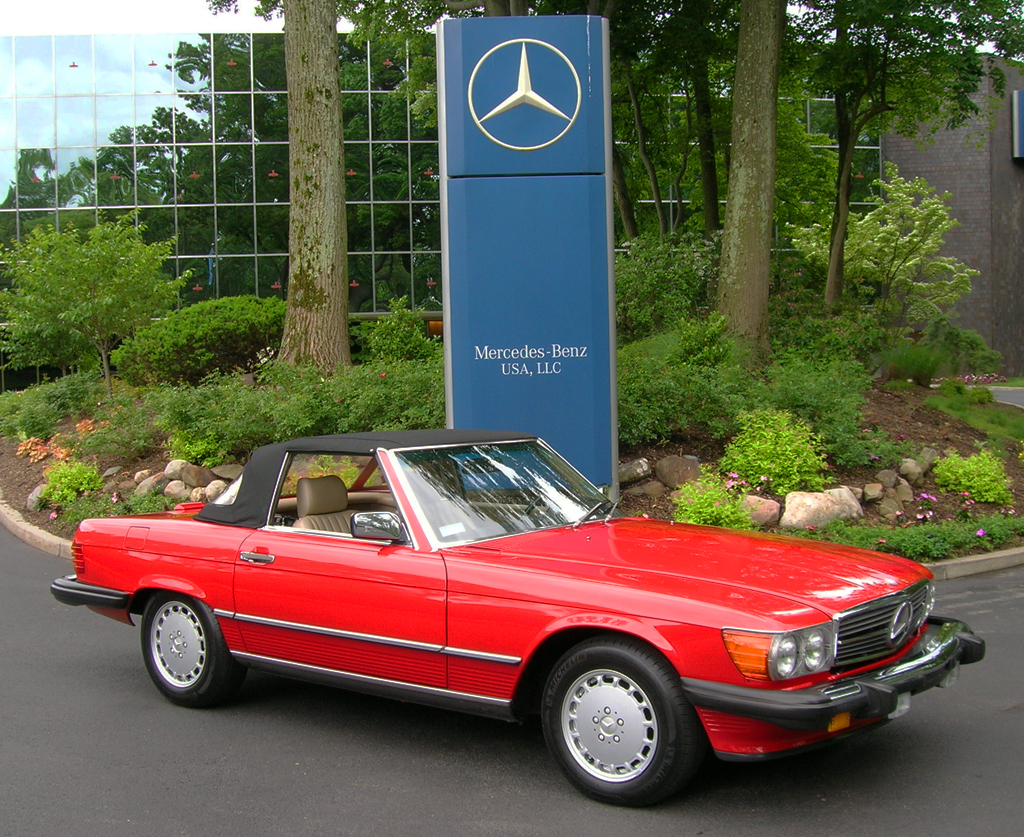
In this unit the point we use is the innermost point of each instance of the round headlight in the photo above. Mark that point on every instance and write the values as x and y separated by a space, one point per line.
815 650
785 656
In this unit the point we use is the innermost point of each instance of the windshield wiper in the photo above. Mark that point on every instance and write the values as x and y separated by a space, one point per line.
590 512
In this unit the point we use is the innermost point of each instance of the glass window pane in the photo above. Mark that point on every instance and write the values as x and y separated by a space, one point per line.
355 122
73 64
35 123
8 185
153 64
866 170
271 173
236 276
426 287
153 112
195 173
6 66
76 177
36 182
195 231
270 117
823 117
234 173
272 276
115 119
360 283
193 117
8 227
201 284
390 172
358 216
268 61
232 117
272 229
387 65
158 224
426 226
424 170
80 219
357 171
154 174
388 117
391 279
235 230
76 121
231 61
33 68
391 226
192 62
113 63
352 57
115 176
28 221
6 123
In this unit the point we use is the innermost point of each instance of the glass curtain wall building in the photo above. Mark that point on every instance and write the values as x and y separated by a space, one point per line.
191 131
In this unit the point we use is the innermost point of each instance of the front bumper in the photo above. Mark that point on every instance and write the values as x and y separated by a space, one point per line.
70 591
946 644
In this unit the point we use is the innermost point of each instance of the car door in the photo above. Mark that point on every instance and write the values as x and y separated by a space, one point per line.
332 602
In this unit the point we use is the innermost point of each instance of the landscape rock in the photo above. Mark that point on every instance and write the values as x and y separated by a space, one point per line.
928 458
215 489
154 482
35 499
904 493
196 476
110 472
873 492
891 509
142 475
197 495
654 488
887 478
912 471
176 490
849 508
857 491
634 471
763 512
675 471
174 468
228 472
809 509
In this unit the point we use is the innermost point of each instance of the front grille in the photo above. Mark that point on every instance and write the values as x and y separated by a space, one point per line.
863 633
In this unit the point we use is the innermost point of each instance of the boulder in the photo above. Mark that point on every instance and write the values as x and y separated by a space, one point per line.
873 492
809 509
174 468
634 471
155 482
654 488
197 495
912 471
176 490
763 512
196 476
891 509
229 472
35 500
887 478
849 508
142 475
904 493
675 471
928 458
215 489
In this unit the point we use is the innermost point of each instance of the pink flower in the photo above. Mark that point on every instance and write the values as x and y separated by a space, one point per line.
980 533
53 515
383 375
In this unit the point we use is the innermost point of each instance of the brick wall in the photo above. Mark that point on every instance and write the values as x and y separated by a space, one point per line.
973 163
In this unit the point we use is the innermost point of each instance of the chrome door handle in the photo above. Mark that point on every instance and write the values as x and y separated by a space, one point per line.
256 557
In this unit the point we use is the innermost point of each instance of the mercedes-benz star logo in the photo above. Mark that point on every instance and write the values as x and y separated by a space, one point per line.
524 94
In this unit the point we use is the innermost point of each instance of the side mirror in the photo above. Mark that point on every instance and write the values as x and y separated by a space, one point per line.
378 526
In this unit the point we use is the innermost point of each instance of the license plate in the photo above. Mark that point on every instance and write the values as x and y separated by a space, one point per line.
902 705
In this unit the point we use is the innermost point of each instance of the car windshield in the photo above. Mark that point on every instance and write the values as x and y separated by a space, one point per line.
485 491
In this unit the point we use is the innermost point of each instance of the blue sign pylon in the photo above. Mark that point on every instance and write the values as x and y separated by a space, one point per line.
526 202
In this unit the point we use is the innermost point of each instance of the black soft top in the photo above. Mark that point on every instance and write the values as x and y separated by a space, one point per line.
251 507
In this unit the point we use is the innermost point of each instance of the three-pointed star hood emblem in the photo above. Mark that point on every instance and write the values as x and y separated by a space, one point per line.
524 94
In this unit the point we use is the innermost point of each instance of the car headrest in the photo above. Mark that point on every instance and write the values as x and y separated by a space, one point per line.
320 495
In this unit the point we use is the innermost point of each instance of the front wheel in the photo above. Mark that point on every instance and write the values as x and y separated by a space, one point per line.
617 722
185 652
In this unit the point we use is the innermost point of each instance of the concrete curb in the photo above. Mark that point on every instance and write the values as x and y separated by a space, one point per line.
953 568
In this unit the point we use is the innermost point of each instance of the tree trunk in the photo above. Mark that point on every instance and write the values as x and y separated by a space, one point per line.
623 201
706 146
847 138
747 240
641 150
316 322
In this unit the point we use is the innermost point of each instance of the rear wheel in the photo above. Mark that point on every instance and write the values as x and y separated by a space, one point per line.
185 652
616 720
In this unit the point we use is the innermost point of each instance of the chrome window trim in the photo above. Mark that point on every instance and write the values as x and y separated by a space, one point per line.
375 639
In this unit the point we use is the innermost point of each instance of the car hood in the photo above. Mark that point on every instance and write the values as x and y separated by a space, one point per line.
752 572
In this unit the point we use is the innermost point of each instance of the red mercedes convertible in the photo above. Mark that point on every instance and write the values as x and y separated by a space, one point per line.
479 571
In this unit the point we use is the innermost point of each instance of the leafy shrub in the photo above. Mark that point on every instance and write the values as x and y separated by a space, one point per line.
122 427
100 504
390 396
703 342
73 394
829 396
776 445
66 480
237 333
980 395
401 335
919 362
660 280
709 502
951 387
965 350
982 475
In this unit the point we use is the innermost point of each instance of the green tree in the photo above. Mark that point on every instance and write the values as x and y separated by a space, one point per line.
893 252
895 64
747 237
71 289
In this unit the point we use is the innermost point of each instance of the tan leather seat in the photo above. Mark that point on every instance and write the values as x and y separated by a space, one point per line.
322 504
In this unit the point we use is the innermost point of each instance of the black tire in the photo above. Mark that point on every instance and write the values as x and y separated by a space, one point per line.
617 722
185 652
